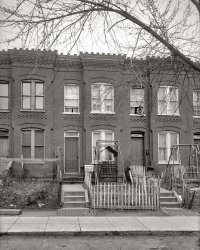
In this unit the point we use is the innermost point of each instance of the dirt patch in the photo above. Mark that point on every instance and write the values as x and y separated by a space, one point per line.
29 193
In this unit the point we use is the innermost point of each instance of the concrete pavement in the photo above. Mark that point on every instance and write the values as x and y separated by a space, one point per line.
16 225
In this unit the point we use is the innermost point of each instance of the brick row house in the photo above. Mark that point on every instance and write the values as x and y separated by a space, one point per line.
49 100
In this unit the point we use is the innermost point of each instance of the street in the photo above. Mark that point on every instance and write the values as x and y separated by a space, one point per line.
111 242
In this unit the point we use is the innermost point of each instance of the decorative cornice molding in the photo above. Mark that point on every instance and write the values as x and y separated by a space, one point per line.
166 119
138 119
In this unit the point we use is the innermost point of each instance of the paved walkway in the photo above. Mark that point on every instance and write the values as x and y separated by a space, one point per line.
16 225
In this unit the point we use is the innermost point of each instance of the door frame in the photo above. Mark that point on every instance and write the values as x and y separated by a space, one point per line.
140 134
74 134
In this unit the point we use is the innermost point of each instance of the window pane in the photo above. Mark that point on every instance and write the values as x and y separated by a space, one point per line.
3 103
39 138
27 88
39 152
3 89
162 140
4 144
26 152
108 136
173 108
162 93
108 92
96 90
174 138
39 102
26 103
26 138
162 156
108 105
173 93
162 107
39 89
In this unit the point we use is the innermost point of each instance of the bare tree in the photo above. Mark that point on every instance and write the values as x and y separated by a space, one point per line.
140 27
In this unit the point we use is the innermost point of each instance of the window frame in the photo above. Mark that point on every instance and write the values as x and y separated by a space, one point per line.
168 100
33 95
142 102
33 145
7 97
168 147
102 137
4 134
102 98
197 91
78 107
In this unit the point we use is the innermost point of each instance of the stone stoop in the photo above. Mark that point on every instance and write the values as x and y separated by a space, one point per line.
168 200
74 201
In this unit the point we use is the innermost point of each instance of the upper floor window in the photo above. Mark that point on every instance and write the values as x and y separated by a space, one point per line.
168 100
137 101
166 139
32 95
3 95
71 96
196 102
102 98
105 135
33 143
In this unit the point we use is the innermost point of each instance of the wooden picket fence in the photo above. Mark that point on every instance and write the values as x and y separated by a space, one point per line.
125 196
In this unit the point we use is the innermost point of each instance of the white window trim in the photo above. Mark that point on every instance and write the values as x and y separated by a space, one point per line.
32 96
168 142
143 114
102 90
102 137
32 141
78 112
168 101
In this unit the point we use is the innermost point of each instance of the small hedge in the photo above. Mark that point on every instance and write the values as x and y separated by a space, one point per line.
29 193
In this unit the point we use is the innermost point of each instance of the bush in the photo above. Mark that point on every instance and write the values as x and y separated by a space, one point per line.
26 193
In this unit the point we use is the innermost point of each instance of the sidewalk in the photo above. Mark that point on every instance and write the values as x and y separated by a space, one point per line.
17 225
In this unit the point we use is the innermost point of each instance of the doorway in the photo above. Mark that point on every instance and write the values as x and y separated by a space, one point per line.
71 152
137 149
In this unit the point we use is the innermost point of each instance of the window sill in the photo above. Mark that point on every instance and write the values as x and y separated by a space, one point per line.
137 115
169 114
71 113
102 113
32 110
4 111
195 116
166 163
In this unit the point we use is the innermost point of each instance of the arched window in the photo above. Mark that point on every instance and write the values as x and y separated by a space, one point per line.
105 135
32 95
33 143
71 97
102 98
166 139
168 100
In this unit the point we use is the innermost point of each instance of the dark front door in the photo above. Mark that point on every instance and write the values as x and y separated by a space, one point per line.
71 155
137 149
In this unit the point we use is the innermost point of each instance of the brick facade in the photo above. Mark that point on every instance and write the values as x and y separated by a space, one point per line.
56 71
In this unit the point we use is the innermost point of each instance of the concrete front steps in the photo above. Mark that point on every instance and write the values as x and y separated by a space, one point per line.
72 178
168 199
74 201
